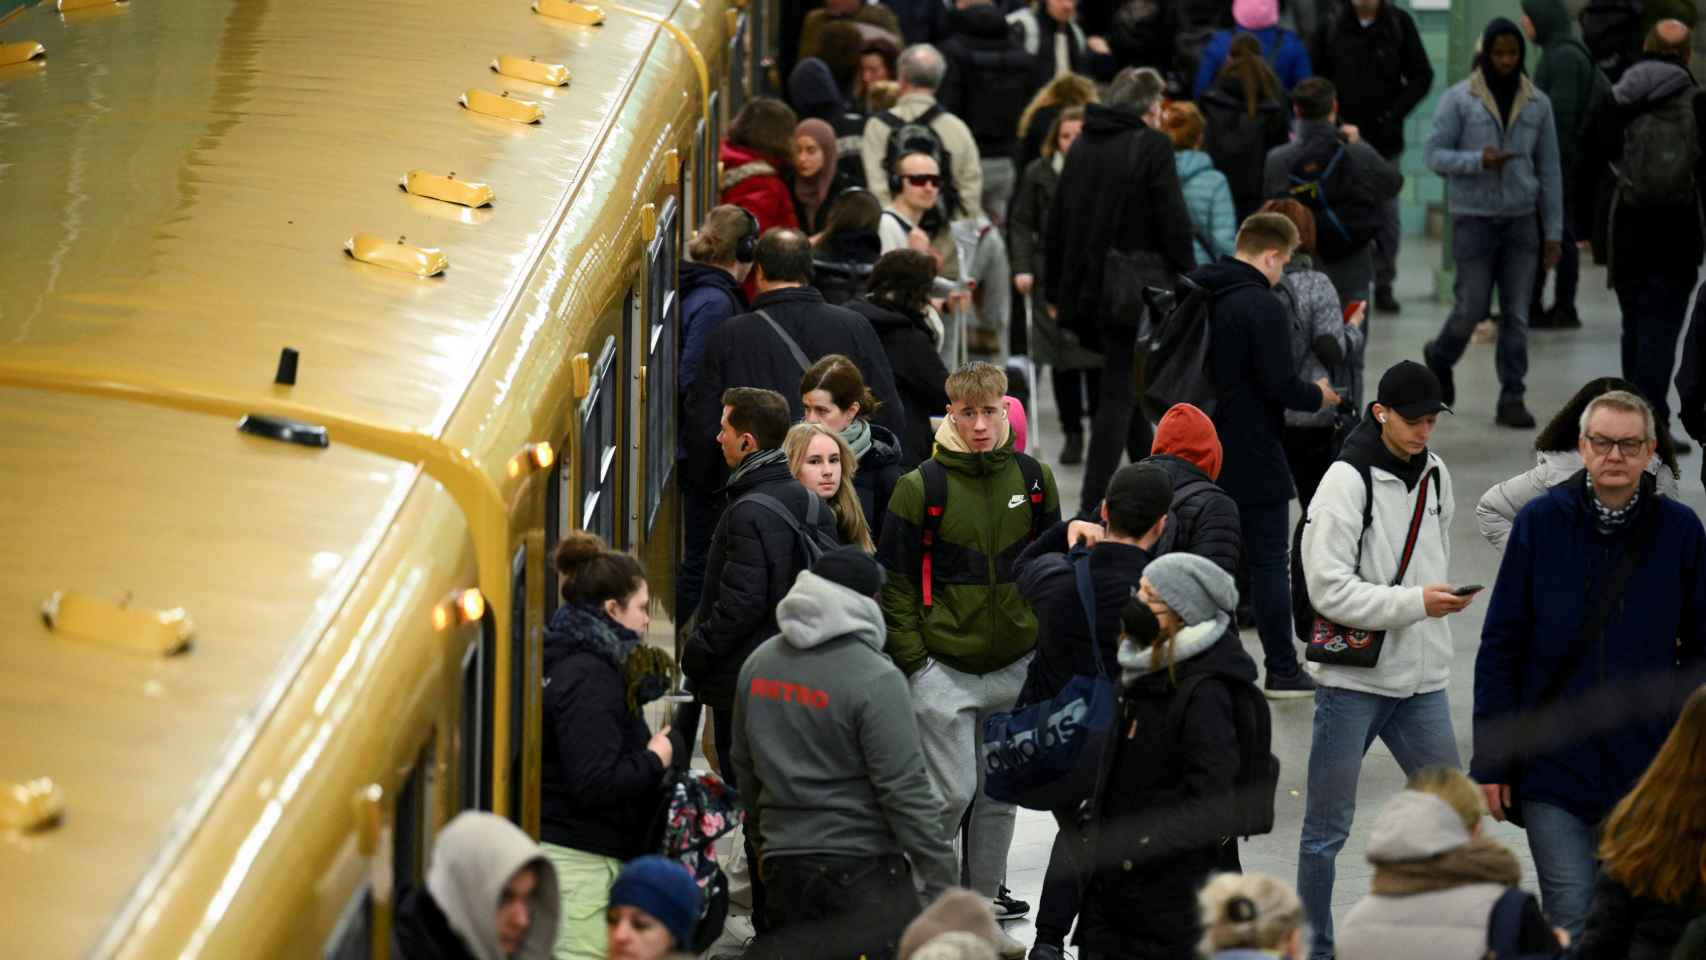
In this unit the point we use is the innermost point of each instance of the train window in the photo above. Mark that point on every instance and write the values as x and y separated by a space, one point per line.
713 153
410 833
557 524
352 938
598 446
518 691
737 66
661 326
691 199
476 732
760 43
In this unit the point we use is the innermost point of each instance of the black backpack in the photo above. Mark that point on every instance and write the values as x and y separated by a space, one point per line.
1251 807
1661 148
1323 178
1611 29
917 136
810 537
1174 352
935 478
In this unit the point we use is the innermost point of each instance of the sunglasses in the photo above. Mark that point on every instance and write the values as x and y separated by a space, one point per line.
923 179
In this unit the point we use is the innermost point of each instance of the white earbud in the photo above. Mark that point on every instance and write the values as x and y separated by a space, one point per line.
1381 419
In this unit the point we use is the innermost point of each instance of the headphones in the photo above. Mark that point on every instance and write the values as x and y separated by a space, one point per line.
746 248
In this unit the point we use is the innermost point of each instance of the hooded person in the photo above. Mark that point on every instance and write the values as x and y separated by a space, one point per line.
818 181
490 894
1163 814
1437 880
832 773
1567 75
1203 518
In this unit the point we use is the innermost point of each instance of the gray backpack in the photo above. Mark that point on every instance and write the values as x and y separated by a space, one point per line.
1660 150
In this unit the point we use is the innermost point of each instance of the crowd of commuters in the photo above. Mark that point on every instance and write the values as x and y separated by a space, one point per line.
878 567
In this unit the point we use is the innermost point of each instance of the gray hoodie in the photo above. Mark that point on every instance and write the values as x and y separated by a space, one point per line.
472 861
825 743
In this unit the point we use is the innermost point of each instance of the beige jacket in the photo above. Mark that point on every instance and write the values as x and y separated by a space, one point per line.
956 138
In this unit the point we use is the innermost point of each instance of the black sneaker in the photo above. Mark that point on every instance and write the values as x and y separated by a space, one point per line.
1447 385
1384 301
1007 906
1294 687
1512 413
1072 451
1563 317
1047 951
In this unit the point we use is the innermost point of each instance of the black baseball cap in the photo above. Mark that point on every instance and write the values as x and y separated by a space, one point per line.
1412 390
1141 492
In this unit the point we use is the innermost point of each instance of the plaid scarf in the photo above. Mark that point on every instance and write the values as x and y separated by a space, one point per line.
1609 520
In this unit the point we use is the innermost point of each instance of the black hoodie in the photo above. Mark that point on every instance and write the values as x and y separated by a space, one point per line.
987 80
1381 71
1119 190
919 375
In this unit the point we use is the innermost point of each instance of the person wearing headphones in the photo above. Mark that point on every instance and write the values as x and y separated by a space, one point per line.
711 292
912 220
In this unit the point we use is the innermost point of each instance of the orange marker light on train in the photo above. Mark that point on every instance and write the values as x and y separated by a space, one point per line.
471 604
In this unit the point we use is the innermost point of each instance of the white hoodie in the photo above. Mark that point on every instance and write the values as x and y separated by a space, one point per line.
1417 654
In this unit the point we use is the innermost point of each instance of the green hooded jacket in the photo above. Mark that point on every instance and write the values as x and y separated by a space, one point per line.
977 623
1567 75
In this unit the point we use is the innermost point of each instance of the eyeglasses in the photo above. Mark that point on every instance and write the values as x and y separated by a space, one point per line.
923 179
968 416
1627 446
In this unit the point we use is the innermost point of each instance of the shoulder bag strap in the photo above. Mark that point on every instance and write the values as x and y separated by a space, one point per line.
1080 558
789 342
1415 525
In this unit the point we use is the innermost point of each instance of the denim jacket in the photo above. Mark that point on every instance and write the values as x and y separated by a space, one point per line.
1467 120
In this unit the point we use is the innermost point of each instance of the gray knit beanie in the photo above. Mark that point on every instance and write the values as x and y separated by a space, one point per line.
1195 589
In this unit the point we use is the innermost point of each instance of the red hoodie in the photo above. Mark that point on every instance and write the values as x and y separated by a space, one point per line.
1187 433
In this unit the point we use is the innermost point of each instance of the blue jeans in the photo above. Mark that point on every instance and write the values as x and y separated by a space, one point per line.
1418 732
1266 542
1654 304
1566 861
1488 251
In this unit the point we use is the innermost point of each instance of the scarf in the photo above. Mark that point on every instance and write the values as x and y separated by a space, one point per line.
1481 860
858 437
1189 642
812 191
1609 520
753 461
646 671
1058 161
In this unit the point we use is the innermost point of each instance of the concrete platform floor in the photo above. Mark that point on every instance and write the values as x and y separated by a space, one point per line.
1479 454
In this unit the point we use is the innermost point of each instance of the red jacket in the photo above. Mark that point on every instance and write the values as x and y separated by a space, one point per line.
759 187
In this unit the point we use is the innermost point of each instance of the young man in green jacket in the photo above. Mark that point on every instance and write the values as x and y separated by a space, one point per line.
956 624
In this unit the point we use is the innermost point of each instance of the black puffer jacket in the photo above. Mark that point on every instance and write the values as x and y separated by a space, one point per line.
1160 821
1112 195
600 786
920 376
747 353
1622 926
1250 362
420 930
874 481
841 265
1239 143
1205 522
988 80
754 559
1381 71
1049 583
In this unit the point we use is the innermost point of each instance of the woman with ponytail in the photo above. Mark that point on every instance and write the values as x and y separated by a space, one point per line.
1250 916
602 776
824 464
834 394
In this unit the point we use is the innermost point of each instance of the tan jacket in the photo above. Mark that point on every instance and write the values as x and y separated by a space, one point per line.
956 138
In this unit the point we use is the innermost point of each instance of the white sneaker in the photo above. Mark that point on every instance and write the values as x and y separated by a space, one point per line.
1009 948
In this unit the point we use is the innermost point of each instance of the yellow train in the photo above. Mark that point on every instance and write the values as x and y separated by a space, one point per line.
246 674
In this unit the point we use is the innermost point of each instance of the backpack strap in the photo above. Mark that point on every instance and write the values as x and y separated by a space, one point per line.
1504 925
935 477
1080 560
929 116
806 540
1032 472
787 341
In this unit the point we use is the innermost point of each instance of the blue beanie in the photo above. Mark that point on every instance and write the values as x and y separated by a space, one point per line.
663 888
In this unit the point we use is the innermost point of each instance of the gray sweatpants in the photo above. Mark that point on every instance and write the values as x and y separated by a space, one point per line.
951 707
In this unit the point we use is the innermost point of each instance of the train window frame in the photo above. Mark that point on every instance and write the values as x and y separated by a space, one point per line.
692 198
411 820
352 935
712 156
557 525
662 306
476 694
600 512
518 682
739 71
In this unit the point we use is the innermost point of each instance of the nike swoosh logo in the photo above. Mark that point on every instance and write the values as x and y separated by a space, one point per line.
1016 501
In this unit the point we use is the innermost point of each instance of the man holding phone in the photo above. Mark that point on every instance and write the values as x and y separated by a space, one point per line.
1387 496
1495 142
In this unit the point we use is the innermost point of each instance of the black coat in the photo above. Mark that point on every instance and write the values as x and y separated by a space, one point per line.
919 373
747 353
988 80
1381 71
1250 362
1161 817
420 930
1049 583
841 265
1206 522
1113 195
1622 926
1238 142
839 183
754 559
879 470
600 787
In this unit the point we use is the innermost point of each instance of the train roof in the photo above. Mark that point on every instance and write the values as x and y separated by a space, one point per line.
179 181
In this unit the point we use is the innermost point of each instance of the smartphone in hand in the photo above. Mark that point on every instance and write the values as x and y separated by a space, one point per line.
1352 308
1467 591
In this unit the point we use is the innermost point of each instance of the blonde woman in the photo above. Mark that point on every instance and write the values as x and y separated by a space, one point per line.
825 465
1067 90
1250 916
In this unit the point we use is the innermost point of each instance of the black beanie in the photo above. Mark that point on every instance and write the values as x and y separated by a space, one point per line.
852 568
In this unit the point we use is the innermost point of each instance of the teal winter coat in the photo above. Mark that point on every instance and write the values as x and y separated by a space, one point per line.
1208 196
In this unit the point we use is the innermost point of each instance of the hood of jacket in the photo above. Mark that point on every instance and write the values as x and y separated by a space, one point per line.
1415 826
472 862
1222 275
1100 121
812 89
1652 80
1551 21
704 275
1364 447
885 449
952 452
817 611
1189 163
884 318
985 21
1185 432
